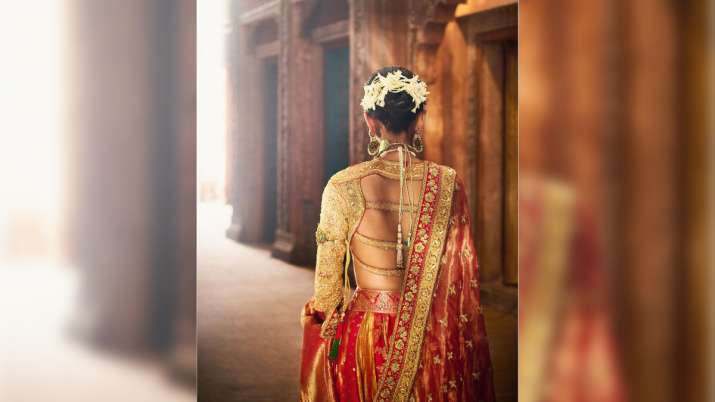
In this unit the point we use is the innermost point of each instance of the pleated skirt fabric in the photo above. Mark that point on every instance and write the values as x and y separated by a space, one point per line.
366 331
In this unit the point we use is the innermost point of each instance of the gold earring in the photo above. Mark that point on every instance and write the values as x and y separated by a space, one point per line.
417 142
373 147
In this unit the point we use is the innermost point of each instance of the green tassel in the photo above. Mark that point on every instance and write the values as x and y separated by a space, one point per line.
334 346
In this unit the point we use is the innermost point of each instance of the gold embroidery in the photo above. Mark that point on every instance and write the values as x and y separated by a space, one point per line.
431 269
330 255
386 168
390 206
397 382
378 301
348 204
383 244
391 169
467 252
320 236
379 270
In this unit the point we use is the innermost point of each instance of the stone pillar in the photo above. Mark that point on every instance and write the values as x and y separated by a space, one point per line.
284 244
182 356
133 222
111 216
245 174
300 145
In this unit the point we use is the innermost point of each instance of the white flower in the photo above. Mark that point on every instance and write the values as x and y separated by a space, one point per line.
393 82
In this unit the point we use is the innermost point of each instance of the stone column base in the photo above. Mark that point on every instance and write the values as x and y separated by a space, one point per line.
283 247
233 232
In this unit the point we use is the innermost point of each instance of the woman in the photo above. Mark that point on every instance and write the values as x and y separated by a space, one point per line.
413 328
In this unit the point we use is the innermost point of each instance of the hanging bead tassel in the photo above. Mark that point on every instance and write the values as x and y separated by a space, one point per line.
399 245
399 221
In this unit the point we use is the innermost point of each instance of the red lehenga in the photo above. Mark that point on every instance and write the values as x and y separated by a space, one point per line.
425 343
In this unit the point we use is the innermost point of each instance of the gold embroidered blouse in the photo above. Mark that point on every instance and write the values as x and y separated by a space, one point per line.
342 206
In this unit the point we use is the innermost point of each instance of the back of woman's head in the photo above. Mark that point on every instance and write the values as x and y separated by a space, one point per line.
395 96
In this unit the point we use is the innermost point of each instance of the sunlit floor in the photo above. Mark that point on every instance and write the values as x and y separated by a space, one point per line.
248 317
40 362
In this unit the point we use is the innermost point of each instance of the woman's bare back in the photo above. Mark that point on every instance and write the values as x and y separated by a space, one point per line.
374 244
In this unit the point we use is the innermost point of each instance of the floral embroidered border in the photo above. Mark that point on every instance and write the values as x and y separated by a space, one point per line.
423 268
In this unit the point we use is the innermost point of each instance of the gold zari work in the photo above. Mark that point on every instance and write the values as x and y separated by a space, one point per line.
390 206
379 270
330 237
402 361
370 241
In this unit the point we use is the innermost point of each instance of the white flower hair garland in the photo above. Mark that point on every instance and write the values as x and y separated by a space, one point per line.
393 82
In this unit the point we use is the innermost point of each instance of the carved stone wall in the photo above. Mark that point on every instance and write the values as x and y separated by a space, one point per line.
245 176
465 122
302 102
299 151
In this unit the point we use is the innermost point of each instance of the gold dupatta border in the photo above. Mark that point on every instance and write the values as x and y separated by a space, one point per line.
416 299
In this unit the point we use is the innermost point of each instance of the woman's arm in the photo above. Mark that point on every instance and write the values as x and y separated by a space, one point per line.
330 236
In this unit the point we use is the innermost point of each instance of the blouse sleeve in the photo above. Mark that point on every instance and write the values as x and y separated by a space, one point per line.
330 236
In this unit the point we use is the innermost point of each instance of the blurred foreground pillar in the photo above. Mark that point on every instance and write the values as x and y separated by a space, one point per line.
132 215
611 98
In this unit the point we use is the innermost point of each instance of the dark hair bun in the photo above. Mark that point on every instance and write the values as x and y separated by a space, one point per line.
397 113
